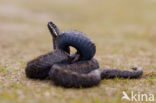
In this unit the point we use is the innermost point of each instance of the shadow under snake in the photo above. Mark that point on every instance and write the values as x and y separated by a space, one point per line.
73 70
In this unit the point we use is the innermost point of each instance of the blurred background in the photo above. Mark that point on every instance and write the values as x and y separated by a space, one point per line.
124 32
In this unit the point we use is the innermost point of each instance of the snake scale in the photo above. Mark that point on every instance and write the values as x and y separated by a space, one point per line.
73 70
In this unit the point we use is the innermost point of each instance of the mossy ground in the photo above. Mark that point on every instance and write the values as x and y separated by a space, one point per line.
124 32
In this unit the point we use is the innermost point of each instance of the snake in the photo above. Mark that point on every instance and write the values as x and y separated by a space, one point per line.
76 70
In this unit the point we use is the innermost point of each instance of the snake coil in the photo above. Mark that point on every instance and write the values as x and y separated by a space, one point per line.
77 70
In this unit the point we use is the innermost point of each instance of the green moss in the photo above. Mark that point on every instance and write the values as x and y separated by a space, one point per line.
3 70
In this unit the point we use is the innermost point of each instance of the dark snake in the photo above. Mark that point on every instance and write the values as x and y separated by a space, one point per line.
73 70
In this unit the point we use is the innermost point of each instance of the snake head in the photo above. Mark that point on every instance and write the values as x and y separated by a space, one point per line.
53 29
54 32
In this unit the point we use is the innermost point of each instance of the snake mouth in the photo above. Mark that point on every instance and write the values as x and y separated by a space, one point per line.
53 29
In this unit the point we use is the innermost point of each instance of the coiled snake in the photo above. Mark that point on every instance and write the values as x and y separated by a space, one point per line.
76 70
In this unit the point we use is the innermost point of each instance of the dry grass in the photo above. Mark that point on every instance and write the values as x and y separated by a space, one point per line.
124 32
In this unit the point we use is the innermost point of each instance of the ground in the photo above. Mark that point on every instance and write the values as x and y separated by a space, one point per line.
124 32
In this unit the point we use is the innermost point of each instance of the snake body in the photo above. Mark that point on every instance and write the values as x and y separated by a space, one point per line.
77 70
